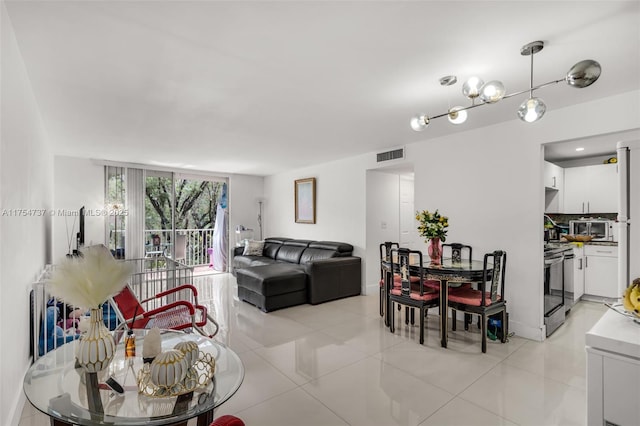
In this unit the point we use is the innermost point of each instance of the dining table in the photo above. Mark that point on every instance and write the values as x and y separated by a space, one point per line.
450 273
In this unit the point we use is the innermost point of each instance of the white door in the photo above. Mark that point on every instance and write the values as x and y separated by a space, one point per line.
407 218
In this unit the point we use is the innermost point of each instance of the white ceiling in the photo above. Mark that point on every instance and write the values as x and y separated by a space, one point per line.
262 87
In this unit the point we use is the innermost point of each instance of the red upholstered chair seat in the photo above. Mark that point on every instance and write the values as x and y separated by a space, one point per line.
227 420
432 284
469 296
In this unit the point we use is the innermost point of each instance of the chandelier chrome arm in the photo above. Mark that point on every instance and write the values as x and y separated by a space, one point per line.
539 86
582 74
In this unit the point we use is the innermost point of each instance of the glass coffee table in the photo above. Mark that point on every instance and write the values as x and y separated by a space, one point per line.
70 396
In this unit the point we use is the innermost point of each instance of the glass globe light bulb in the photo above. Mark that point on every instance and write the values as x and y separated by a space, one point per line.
457 115
419 122
471 87
532 110
492 92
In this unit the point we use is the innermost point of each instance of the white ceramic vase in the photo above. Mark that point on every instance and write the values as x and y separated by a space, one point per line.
96 347
169 368
190 351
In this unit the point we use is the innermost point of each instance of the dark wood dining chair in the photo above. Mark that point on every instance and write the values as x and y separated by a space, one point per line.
385 268
412 294
488 299
459 253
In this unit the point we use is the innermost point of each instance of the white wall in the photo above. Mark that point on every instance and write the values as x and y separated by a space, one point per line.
340 203
244 193
493 194
77 182
26 173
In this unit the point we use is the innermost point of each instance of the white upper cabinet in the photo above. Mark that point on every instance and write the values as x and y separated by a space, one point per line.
553 185
591 189
553 176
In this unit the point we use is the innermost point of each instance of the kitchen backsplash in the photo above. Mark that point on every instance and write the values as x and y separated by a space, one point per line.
563 219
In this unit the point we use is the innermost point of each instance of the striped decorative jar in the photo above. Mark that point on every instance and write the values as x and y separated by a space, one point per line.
96 347
169 368
190 351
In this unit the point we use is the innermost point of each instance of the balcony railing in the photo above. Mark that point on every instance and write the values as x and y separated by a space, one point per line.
191 245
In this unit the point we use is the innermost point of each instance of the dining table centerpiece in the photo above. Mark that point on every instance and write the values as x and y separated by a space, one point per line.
88 281
433 227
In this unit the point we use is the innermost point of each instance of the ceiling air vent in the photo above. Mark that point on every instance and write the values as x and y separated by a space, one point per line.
391 155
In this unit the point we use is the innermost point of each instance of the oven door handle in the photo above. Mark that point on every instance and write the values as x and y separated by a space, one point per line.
553 260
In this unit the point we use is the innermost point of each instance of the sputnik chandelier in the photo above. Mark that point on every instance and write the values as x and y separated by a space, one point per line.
582 74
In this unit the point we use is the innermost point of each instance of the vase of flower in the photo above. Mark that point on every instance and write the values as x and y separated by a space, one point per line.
89 281
96 347
435 251
433 227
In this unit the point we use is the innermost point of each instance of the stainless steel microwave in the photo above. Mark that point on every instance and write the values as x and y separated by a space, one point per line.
599 229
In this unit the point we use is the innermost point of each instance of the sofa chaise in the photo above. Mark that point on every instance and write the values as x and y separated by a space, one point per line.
287 272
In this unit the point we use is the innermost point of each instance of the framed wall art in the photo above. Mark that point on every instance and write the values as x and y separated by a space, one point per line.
305 200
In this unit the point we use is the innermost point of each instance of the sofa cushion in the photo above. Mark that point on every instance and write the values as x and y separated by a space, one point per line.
240 262
243 261
289 254
297 243
271 249
272 280
276 240
341 249
260 261
253 248
311 254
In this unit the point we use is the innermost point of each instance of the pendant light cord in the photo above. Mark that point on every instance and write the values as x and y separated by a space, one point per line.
531 79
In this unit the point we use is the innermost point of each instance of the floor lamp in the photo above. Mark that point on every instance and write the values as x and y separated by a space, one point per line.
260 217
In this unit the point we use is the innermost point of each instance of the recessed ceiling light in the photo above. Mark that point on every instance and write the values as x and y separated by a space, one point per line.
580 149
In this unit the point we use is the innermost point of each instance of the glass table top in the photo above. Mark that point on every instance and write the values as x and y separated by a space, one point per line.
56 387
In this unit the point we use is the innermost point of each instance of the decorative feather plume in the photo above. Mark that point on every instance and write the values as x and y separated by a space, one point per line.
90 280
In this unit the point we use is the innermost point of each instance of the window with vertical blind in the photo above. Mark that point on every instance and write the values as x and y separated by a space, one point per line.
116 210
168 213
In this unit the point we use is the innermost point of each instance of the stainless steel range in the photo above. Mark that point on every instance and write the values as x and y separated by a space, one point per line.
558 284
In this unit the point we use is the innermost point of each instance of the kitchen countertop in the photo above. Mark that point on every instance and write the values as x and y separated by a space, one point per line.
615 333
603 243
591 243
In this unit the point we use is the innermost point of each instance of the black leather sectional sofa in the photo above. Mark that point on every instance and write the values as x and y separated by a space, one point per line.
292 272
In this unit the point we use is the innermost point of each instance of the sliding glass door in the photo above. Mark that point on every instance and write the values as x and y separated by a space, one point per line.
180 216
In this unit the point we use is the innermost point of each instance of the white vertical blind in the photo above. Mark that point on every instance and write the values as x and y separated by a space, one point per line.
134 242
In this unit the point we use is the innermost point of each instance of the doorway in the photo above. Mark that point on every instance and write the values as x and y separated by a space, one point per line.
390 215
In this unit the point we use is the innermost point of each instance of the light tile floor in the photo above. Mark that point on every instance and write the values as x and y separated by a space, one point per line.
337 364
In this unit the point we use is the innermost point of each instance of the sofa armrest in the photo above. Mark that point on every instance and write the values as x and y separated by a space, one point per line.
333 278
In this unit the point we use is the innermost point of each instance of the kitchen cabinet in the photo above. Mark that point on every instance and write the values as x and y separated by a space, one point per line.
553 185
601 270
553 176
613 371
591 189
578 273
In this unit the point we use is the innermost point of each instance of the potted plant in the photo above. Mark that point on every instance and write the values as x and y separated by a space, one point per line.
433 227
